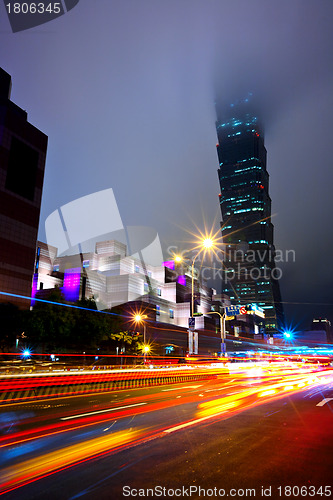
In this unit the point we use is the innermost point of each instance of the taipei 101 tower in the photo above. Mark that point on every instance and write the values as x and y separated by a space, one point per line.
250 273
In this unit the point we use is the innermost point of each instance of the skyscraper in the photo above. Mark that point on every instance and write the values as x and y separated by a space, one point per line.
22 162
250 272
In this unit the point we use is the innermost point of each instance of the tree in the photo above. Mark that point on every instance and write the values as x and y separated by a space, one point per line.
11 320
90 325
50 325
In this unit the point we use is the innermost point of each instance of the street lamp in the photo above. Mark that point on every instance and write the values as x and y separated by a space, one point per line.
139 318
205 244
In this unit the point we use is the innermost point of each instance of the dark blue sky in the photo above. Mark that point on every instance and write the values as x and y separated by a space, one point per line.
125 91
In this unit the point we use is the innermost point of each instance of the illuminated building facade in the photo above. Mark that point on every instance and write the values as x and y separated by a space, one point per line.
112 278
22 162
250 273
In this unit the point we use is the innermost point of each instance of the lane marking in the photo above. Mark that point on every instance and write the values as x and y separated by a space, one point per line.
102 411
185 387
227 394
269 414
324 401
111 426
193 422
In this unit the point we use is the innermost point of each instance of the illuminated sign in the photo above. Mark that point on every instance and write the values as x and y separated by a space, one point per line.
232 310
72 281
258 311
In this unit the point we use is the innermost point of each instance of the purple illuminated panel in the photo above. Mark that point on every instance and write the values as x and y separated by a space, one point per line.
71 288
169 264
182 279
34 289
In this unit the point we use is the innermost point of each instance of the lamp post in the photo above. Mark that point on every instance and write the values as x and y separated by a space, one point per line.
192 288
206 244
138 318
222 329
146 349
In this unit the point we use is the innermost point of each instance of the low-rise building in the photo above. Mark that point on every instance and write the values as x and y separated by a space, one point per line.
113 278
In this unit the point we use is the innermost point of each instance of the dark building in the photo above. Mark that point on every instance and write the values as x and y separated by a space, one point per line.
22 162
324 325
250 274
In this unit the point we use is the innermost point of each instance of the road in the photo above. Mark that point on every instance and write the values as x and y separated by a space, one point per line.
255 428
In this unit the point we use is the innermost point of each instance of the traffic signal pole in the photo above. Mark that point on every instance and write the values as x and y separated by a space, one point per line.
222 330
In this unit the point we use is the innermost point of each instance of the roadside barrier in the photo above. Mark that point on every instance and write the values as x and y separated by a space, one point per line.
36 385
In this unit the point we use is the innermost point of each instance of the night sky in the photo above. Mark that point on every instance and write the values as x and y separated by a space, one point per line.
125 91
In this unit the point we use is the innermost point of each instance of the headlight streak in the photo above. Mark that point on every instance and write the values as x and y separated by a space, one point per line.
270 392
101 411
49 463
82 422
295 383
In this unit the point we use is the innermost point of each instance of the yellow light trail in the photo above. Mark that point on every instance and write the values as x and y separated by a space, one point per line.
48 463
